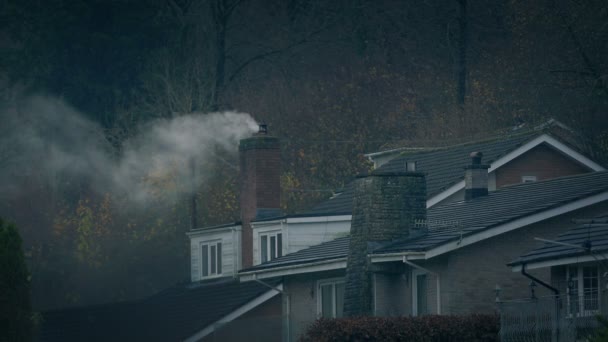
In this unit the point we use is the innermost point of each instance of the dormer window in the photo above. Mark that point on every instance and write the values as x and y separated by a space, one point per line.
271 246
211 258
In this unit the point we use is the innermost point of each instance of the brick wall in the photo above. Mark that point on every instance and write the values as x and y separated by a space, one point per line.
260 185
474 271
542 161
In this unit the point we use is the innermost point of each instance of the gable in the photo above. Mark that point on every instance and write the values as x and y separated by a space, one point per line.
542 162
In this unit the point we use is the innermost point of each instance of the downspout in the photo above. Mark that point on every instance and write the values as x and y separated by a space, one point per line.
438 277
531 277
287 304
555 330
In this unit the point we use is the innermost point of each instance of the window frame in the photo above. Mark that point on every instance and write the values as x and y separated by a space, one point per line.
579 306
334 282
415 274
266 245
217 257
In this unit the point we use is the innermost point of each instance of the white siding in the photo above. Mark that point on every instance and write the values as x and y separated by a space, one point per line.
230 238
304 235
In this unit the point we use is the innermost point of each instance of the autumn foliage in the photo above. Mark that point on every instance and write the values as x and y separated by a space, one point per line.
472 328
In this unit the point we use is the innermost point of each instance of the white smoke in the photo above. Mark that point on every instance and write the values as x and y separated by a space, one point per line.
44 136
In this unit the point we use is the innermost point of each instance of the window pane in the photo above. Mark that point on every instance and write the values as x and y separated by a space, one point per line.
213 259
205 260
339 299
219 258
264 248
421 294
273 247
591 288
279 245
327 301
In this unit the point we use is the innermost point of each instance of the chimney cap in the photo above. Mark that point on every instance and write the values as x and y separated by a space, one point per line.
263 128
476 157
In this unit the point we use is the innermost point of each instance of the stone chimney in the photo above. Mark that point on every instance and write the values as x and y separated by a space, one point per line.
475 177
385 208
260 187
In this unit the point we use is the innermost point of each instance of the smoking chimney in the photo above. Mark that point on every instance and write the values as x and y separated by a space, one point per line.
385 208
260 188
476 177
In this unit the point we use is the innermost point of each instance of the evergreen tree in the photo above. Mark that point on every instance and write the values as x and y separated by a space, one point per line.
15 309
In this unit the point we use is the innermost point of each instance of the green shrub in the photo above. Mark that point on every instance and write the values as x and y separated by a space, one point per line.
475 328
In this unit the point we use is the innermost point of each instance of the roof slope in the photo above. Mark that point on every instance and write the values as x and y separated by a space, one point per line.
331 250
456 220
595 233
173 314
443 167
500 207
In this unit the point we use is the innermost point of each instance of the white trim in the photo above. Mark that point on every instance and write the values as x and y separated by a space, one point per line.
437 278
543 138
235 314
415 273
396 256
521 222
558 262
203 231
321 282
326 265
303 219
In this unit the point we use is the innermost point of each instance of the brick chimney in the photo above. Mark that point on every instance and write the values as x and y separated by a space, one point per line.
260 188
385 208
475 177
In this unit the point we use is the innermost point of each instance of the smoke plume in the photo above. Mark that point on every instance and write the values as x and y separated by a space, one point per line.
44 137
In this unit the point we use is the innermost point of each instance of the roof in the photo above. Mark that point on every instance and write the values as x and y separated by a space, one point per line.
443 167
173 314
594 233
500 207
331 250
454 221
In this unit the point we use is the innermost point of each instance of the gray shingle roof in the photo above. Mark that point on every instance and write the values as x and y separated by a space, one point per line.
443 167
595 232
474 216
173 314
502 206
330 250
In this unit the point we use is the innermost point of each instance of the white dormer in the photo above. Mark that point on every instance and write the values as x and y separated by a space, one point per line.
215 252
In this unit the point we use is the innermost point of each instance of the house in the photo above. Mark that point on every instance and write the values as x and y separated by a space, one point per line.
576 261
448 262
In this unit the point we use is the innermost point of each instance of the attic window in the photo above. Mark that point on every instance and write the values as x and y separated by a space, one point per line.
528 179
271 246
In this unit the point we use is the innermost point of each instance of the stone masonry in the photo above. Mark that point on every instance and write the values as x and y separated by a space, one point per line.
385 208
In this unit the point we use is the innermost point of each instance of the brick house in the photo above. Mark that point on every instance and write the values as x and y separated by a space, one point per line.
576 261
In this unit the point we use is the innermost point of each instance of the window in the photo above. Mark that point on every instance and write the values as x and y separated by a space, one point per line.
419 293
583 290
330 298
211 258
528 179
271 246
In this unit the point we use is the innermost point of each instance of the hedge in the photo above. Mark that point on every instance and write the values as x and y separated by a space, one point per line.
476 328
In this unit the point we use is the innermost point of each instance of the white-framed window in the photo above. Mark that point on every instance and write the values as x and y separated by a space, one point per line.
583 290
528 179
211 259
271 246
330 298
419 293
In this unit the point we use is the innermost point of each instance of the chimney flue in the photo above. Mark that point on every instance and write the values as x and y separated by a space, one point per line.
476 177
260 185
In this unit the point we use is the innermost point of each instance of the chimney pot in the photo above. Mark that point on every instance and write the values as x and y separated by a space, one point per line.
476 177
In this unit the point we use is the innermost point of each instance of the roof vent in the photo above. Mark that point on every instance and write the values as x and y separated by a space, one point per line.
263 128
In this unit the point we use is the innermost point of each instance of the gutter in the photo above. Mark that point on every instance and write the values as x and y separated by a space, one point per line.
438 277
